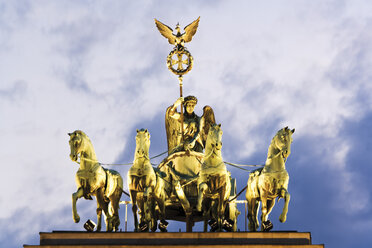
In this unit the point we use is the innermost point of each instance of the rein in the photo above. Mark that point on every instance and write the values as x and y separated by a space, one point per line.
96 161
239 166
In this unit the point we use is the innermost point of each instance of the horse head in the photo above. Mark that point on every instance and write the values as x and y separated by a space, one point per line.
142 143
282 141
76 144
214 139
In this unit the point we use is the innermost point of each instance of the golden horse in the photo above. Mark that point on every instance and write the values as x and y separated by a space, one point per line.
146 188
214 181
267 183
94 180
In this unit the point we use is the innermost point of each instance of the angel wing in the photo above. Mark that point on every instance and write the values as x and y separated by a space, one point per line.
173 129
166 31
206 122
190 30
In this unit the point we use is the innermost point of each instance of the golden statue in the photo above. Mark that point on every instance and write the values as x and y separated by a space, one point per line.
186 137
94 180
270 182
214 184
187 132
179 39
179 56
146 188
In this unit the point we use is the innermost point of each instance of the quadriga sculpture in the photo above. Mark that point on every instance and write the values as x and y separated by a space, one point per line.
146 188
270 182
214 181
94 180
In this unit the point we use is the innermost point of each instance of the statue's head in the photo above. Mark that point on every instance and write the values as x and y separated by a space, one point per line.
189 103
76 140
142 142
283 140
215 136
178 28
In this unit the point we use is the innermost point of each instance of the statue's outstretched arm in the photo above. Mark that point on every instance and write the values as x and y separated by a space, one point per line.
173 111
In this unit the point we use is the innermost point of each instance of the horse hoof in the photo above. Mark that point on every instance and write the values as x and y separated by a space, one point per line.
143 227
76 218
282 218
228 225
213 224
267 226
163 226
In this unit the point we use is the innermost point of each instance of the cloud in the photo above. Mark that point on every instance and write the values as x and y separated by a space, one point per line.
100 67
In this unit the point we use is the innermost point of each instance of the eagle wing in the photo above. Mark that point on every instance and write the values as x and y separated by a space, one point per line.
166 31
207 120
190 30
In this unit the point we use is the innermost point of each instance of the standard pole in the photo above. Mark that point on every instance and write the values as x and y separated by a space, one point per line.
180 78
126 216
246 216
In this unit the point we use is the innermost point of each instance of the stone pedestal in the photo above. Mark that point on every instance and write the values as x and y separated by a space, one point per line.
62 239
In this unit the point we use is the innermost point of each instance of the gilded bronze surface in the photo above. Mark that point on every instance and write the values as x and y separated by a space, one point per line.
214 182
94 180
192 183
179 60
178 39
271 182
193 135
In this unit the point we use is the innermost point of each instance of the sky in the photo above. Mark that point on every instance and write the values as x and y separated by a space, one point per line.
100 66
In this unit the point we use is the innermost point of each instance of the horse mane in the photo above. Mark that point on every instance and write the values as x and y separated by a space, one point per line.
83 135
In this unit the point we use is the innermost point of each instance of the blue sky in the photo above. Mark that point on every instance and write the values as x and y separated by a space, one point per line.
99 66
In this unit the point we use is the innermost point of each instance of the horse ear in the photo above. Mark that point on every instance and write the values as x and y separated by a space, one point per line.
293 130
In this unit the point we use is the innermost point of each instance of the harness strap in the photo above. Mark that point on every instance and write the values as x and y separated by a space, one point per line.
239 166
239 193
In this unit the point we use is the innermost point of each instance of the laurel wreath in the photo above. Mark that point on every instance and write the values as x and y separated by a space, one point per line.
180 52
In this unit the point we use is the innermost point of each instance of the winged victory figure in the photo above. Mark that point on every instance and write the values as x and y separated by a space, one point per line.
178 39
195 128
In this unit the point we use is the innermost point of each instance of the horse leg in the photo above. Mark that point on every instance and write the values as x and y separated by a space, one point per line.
255 207
99 217
114 199
147 208
133 197
206 215
270 206
221 207
203 187
252 217
103 205
75 196
152 213
284 193
251 213
163 224
143 214
263 211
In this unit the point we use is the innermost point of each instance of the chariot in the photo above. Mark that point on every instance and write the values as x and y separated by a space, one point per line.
182 175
